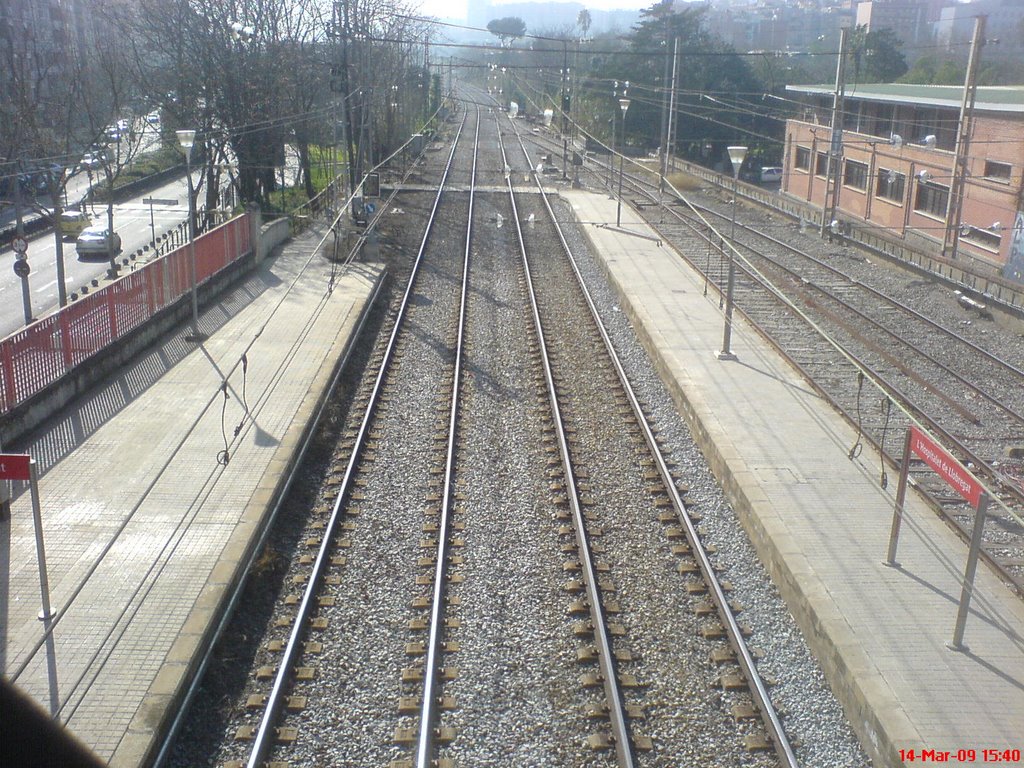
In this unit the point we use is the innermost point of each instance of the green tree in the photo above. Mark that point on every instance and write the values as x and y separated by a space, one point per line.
876 55
507 29
707 66
583 21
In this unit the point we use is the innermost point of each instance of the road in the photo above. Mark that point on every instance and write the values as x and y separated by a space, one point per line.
131 222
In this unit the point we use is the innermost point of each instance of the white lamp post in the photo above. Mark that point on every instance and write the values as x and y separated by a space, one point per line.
623 105
187 138
736 156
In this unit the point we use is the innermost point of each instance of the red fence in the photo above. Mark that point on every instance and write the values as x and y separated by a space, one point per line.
39 355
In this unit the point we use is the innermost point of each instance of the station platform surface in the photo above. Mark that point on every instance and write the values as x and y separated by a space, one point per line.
146 519
821 522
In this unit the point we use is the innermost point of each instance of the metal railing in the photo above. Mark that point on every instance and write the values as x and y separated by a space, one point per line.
37 356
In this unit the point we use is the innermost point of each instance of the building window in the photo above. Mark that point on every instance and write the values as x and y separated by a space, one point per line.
802 159
855 174
997 171
931 199
890 185
821 164
983 237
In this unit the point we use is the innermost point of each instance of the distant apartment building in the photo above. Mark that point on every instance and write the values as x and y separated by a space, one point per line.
955 25
37 39
897 165
761 26
912 22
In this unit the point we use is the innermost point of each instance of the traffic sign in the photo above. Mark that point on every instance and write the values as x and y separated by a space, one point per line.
20 245
371 208
15 466
21 268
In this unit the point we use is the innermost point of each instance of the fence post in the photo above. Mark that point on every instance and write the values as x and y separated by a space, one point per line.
968 584
66 340
112 313
10 390
150 288
897 513
229 255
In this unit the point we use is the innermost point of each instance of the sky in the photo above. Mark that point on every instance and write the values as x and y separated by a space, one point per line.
457 8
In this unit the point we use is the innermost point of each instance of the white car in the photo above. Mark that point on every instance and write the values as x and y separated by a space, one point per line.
771 175
93 160
93 241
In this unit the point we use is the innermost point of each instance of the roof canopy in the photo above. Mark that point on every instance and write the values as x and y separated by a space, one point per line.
1007 98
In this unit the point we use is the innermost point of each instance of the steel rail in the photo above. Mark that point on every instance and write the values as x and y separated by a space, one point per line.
1010 307
227 614
1006 492
645 188
947 332
430 705
936 391
606 659
264 736
886 386
745 659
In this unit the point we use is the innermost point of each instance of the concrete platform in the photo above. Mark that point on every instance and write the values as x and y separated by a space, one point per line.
820 523
153 492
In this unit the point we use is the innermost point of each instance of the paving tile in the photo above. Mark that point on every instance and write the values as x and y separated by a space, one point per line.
138 511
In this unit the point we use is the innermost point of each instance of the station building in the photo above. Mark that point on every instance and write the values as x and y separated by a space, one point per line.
897 164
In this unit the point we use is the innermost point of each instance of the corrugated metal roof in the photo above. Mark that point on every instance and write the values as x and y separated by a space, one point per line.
990 98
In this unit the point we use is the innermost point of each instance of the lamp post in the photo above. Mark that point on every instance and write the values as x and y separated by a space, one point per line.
187 138
623 105
611 158
736 156
111 256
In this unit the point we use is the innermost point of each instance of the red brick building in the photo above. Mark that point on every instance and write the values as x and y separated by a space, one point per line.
897 166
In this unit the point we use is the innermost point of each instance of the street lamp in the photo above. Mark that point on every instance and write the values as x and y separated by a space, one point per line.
111 256
187 138
623 105
736 155
611 157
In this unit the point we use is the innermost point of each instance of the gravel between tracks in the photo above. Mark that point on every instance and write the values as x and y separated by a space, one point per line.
812 715
385 542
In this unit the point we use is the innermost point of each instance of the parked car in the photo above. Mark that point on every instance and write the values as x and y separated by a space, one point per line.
153 118
771 175
93 241
93 160
73 223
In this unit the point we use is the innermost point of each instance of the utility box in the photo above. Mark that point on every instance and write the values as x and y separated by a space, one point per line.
418 142
371 186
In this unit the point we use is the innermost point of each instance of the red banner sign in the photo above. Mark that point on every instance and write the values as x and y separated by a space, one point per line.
15 466
948 468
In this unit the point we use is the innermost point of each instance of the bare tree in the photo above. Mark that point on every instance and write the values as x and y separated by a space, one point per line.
58 100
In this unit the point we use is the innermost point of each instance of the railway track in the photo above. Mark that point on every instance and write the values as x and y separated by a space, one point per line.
501 565
361 445
882 363
681 531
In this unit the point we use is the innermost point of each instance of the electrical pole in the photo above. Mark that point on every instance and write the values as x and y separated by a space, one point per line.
670 140
664 117
565 108
835 152
955 202
21 247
